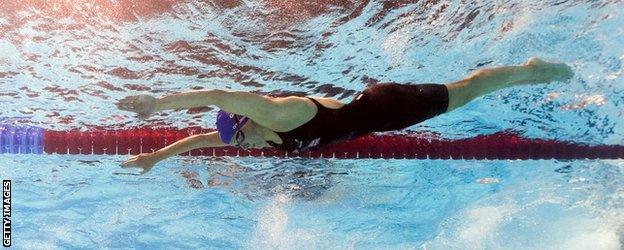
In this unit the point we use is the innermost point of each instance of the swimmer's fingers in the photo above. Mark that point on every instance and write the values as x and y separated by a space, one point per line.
128 103
143 105
135 101
132 162
142 161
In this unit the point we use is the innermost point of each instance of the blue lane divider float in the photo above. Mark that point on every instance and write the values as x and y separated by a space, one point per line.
19 139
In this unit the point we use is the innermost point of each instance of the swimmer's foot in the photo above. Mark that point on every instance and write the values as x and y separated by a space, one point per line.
545 72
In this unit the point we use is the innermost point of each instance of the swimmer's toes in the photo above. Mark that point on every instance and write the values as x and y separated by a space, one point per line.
564 72
569 72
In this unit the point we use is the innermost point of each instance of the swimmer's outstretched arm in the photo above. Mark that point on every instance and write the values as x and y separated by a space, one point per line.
242 103
146 161
262 109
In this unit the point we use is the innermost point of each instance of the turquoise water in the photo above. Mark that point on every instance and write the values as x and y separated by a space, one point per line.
63 64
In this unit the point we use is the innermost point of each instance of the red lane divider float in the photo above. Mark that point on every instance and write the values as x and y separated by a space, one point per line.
500 145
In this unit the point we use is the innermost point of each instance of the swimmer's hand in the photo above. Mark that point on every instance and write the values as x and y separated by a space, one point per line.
143 161
544 72
143 105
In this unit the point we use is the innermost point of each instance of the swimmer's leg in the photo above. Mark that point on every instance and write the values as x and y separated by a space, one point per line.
485 81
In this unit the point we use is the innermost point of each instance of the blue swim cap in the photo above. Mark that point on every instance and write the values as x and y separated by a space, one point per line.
227 125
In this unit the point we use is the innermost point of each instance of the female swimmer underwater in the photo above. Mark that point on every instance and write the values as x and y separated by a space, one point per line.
299 123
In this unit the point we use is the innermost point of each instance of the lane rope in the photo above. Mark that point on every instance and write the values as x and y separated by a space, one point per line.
497 146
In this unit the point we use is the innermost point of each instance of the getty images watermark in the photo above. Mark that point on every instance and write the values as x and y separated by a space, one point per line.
6 213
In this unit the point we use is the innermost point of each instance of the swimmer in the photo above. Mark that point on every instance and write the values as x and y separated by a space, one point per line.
295 123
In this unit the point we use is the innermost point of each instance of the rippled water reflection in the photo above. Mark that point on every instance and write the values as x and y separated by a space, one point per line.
65 62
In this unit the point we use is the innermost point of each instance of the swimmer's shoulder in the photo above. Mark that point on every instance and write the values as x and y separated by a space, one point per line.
291 111
301 110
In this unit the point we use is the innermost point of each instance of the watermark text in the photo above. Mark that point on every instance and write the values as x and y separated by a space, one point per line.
6 213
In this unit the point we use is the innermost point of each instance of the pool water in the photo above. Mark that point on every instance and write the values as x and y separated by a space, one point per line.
64 63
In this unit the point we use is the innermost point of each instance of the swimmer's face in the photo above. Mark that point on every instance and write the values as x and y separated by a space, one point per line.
249 136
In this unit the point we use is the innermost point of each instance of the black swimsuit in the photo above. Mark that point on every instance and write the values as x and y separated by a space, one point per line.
383 107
